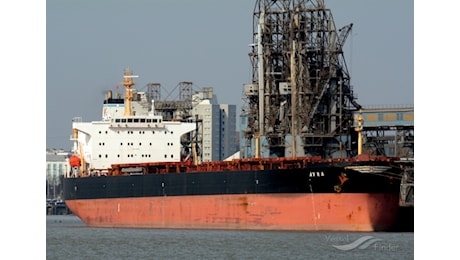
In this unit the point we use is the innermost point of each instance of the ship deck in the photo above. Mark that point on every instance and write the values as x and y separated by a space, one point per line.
238 164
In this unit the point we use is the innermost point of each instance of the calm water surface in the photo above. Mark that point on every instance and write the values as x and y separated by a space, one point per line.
68 238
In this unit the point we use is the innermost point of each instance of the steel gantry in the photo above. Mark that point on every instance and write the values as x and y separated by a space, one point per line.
300 100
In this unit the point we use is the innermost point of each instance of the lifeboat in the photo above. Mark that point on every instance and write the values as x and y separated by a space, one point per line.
74 161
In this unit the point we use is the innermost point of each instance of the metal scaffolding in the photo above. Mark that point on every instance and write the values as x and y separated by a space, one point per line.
300 100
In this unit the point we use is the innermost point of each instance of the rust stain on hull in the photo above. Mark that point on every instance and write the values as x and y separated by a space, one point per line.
299 212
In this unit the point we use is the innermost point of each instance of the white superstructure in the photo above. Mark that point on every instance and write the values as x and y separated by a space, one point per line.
124 138
134 139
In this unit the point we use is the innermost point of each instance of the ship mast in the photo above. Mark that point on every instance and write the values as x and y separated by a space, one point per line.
128 82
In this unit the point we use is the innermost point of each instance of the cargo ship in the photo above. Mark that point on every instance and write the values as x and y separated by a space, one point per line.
301 165
131 172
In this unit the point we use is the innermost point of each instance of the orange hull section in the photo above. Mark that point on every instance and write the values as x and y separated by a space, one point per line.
299 212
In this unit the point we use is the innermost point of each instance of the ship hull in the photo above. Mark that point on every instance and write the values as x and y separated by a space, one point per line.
294 212
320 197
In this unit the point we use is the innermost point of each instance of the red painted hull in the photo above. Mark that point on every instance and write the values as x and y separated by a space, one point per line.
299 212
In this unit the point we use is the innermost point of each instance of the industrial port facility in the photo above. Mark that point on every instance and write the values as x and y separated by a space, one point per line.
300 101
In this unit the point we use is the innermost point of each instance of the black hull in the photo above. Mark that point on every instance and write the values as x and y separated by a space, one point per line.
321 178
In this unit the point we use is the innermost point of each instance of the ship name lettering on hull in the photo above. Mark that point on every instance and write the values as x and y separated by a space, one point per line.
316 174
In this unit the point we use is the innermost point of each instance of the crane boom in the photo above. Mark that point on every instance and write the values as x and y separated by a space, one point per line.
344 32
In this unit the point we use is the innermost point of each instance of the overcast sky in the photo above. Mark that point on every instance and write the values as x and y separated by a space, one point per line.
90 43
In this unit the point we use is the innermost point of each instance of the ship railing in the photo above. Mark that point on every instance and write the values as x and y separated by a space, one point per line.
246 164
77 119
